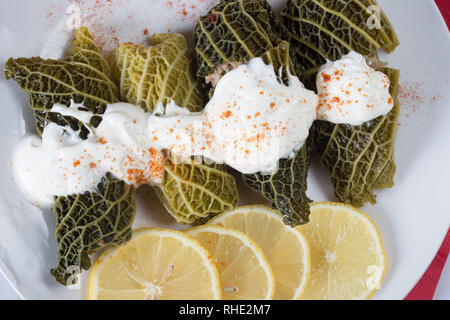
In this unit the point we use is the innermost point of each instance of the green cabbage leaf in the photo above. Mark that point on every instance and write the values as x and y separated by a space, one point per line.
160 74
157 74
80 77
321 30
90 221
192 191
286 188
360 158
84 50
234 32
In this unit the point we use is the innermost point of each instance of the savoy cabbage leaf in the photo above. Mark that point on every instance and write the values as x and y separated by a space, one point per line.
157 74
160 74
80 77
321 30
90 221
360 158
286 188
234 31
84 49
192 191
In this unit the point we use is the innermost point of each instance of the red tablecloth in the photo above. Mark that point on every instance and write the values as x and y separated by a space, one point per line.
425 288
444 5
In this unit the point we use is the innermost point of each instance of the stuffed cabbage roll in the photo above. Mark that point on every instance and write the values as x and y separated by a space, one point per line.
84 77
192 191
160 74
88 222
93 220
234 32
322 30
360 158
157 74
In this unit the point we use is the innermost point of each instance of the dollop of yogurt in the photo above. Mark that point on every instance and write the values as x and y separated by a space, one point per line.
62 164
255 120
351 92
250 123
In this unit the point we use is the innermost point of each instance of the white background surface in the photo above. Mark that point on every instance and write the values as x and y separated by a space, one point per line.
413 217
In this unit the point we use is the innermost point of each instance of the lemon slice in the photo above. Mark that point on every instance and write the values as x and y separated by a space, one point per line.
286 249
244 271
156 264
347 254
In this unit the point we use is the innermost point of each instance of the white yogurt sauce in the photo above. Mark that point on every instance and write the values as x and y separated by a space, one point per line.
62 164
352 92
254 120
250 123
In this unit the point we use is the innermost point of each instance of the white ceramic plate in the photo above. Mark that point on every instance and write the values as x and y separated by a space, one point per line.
413 217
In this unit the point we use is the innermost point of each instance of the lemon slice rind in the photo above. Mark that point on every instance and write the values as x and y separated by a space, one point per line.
246 241
185 240
260 237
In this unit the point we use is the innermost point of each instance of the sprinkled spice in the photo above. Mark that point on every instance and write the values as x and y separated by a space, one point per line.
326 77
226 114
412 98
92 11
